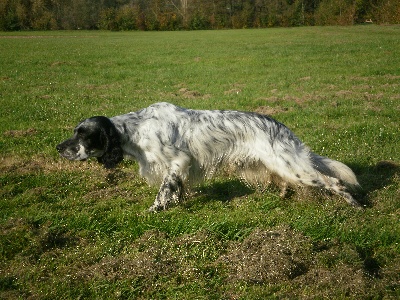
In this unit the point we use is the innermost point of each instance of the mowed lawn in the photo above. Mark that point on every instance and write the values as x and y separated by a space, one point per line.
72 230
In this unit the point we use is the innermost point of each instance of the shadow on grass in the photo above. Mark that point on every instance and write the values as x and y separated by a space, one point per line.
224 191
374 178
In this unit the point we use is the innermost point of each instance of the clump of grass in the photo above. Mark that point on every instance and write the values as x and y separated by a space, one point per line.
283 257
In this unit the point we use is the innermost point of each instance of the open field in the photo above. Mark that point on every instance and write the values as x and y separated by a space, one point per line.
72 230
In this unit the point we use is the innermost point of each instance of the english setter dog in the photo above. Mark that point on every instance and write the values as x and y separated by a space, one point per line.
176 147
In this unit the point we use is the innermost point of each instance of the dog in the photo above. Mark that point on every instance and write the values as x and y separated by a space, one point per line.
177 147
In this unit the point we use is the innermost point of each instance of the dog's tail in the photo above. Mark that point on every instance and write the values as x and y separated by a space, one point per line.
336 169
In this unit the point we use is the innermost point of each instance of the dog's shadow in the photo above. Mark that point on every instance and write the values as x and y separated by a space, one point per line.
374 178
222 191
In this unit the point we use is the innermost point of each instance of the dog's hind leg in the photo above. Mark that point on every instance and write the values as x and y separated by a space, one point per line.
329 183
335 185
284 189
302 175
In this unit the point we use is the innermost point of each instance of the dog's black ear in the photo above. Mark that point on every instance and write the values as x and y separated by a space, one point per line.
113 154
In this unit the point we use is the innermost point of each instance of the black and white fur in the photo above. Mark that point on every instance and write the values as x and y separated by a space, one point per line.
176 147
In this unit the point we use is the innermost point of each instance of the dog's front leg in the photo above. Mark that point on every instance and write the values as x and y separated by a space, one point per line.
171 191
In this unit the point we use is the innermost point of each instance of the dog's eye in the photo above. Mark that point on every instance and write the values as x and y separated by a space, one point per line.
80 131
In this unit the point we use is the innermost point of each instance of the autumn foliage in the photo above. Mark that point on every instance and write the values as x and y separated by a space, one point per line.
191 14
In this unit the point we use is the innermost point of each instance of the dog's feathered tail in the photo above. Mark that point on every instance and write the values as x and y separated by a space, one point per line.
336 169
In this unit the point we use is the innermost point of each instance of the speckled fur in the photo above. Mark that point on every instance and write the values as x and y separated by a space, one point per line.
176 147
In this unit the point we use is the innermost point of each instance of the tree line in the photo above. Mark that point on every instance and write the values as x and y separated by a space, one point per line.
191 14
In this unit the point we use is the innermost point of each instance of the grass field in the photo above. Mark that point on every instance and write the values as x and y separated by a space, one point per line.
72 230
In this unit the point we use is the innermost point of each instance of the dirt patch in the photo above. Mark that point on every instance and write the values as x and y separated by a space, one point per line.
154 255
394 77
373 97
58 63
13 164
232 92
396 97
186 93
98 87
236 89
271 99
39 163
268 110
362 87
21 133
268 257
337 269
373 106
147 263
109 193
301 101
343 93
342 281
283 256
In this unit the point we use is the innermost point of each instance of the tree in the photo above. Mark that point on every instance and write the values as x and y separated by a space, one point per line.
387 11
336 12
190 14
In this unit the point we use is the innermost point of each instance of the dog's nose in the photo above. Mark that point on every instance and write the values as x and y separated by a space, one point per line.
59 147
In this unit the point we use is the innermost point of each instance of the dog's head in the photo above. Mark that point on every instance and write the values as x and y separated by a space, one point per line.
93 137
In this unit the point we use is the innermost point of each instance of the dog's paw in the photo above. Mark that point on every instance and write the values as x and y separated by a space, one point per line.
156 208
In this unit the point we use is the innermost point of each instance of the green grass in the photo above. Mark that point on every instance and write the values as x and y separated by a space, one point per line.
74 230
